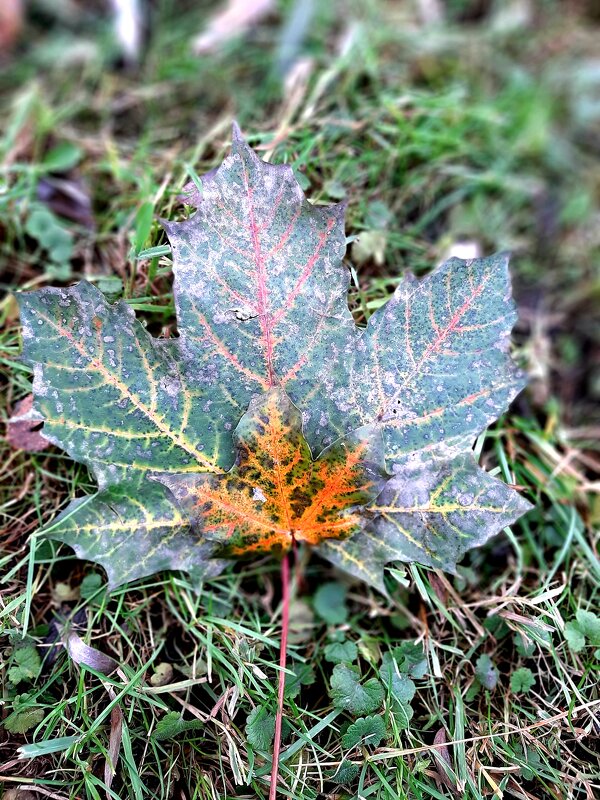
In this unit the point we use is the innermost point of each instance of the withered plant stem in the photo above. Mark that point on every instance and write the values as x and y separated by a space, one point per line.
285 620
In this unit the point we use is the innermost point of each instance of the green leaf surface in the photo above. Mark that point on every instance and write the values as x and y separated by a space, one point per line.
173 725
25 716
301 675
330 603
25 665
345 773
348 693
432 365
589 624
366 731
92 587
524 646
430 512
259 285
52 236
111 395
574 636
400 689
341 652
169 726
62 157
411 659
583 631
135 530
522 680
24 720
400 686
530 762
486 672
260 729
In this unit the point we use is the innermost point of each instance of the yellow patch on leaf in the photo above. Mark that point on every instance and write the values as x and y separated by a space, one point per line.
275 493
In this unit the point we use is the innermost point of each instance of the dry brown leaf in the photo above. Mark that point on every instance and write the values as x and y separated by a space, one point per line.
23 428
441 738
67 196
11 23
444 754
114 742
82 653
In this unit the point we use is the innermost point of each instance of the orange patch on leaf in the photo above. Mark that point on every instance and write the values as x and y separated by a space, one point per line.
275 493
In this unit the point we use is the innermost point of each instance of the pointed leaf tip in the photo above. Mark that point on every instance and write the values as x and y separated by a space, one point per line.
236 132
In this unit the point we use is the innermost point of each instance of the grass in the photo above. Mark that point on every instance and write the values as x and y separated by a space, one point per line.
431 136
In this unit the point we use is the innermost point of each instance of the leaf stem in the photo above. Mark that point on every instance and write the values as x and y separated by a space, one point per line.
285 620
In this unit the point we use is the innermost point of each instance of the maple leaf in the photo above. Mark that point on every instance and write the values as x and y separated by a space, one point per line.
267 343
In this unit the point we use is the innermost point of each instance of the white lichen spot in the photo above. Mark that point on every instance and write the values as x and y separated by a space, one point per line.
170 386
40 386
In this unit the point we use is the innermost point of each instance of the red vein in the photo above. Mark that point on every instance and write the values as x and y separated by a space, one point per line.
266 319
262 289
432 319
222 349
443 335
236 295
294 369
228 243
401 422
480 325
306 271
283 499
452 325
225 208
286 234
275 208
468 401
